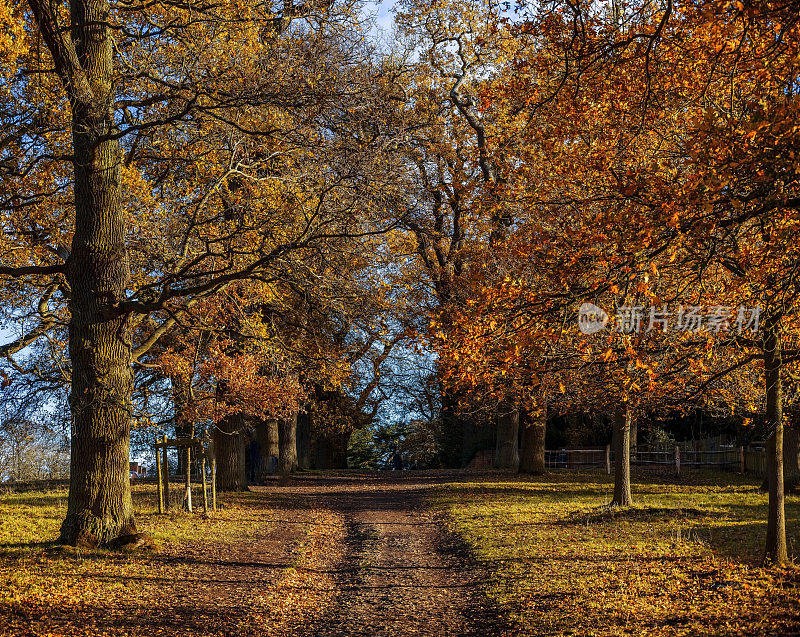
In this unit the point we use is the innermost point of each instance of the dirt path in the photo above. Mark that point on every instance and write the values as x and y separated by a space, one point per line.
398 571
350 554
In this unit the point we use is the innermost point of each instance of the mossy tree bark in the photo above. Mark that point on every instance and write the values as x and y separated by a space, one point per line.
532 457
229 447
287 444
99 506
273 449
776 550
622 455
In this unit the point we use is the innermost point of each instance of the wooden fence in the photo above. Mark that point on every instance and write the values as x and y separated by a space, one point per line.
750 460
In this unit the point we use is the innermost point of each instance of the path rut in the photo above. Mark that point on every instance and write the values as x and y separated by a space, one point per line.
399 571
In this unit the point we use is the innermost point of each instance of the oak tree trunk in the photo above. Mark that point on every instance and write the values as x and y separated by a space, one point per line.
532 457
287 444
622 455
99 506
266 433
340 450
776 550
229 448
323 453
507 450
273 448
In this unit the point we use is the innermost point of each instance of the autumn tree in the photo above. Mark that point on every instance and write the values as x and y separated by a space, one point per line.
164 149
708 195
448 151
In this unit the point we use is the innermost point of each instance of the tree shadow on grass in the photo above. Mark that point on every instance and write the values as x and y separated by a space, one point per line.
609 514
745 541
31 545
21 550
44 499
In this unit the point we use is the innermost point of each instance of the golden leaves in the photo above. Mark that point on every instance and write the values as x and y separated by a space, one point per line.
14 41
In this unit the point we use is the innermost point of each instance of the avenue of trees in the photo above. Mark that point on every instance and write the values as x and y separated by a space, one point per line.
245 219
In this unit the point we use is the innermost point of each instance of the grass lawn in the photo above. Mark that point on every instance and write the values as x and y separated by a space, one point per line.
684 560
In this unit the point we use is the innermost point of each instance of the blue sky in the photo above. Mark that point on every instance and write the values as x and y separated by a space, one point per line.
383 14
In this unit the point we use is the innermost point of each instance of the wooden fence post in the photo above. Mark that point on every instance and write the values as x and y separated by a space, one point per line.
677 460
166 474
189 479
203 474
742 460
608 460
160 486
213 483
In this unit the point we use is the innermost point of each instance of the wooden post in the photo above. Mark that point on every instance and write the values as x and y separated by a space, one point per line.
189 478
742 461
165 471
213 483
203 476
677 460
608 460
160 485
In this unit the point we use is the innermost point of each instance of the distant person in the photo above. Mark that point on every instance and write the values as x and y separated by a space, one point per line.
397 461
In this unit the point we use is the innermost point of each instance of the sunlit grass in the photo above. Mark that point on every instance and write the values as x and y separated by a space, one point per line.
684 559
32 518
